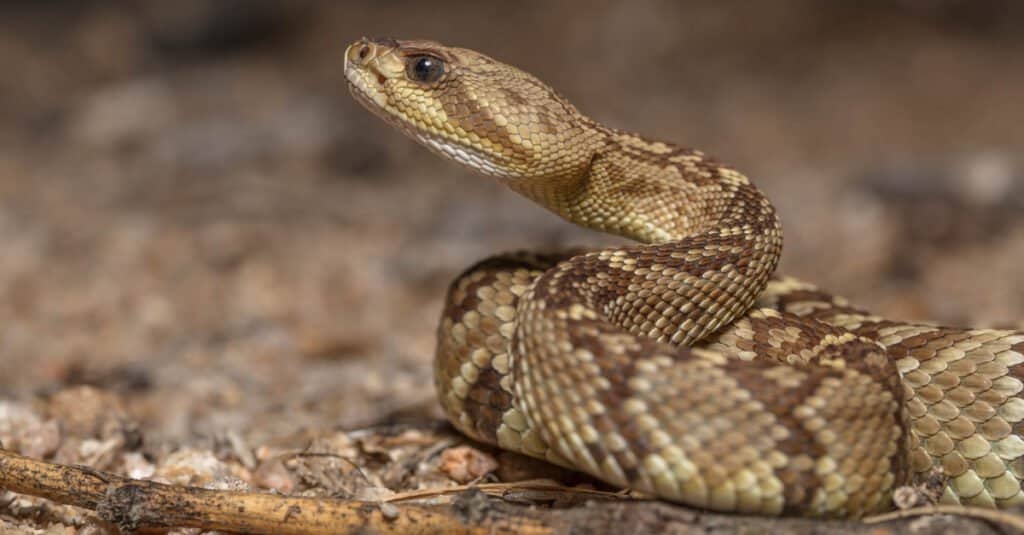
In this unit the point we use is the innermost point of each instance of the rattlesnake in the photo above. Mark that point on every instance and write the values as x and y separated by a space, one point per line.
682 367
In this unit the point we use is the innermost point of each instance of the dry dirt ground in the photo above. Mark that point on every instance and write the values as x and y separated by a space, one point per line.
214 262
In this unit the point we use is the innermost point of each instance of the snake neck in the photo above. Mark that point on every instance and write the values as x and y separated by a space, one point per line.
700 219
654 192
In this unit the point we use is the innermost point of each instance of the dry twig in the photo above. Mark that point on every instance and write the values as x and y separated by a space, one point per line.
132 503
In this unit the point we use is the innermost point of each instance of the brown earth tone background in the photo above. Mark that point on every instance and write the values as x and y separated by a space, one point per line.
211 255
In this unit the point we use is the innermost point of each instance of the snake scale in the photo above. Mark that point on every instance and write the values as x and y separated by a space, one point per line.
681 366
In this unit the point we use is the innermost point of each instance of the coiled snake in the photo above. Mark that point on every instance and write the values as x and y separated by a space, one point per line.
680 367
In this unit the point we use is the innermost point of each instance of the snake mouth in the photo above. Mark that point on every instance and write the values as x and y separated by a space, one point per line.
366 85
437 143
376 101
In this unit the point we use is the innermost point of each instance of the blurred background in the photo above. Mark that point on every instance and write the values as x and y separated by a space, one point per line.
198 220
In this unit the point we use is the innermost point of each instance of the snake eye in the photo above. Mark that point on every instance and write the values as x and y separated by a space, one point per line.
425 69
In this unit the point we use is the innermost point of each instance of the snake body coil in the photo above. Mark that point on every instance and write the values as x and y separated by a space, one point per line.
680 367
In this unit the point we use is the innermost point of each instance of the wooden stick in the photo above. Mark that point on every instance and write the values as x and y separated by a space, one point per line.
133 503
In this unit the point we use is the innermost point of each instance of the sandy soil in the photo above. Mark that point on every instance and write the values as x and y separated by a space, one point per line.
213 257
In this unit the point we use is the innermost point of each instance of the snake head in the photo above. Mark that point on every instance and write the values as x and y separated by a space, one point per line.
470 108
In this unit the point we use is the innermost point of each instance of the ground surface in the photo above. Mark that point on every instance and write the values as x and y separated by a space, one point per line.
214 260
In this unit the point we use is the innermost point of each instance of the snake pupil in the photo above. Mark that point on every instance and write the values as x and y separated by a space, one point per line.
426 69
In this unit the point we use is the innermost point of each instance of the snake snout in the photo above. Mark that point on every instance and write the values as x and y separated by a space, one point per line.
366 49
364 55
359 52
